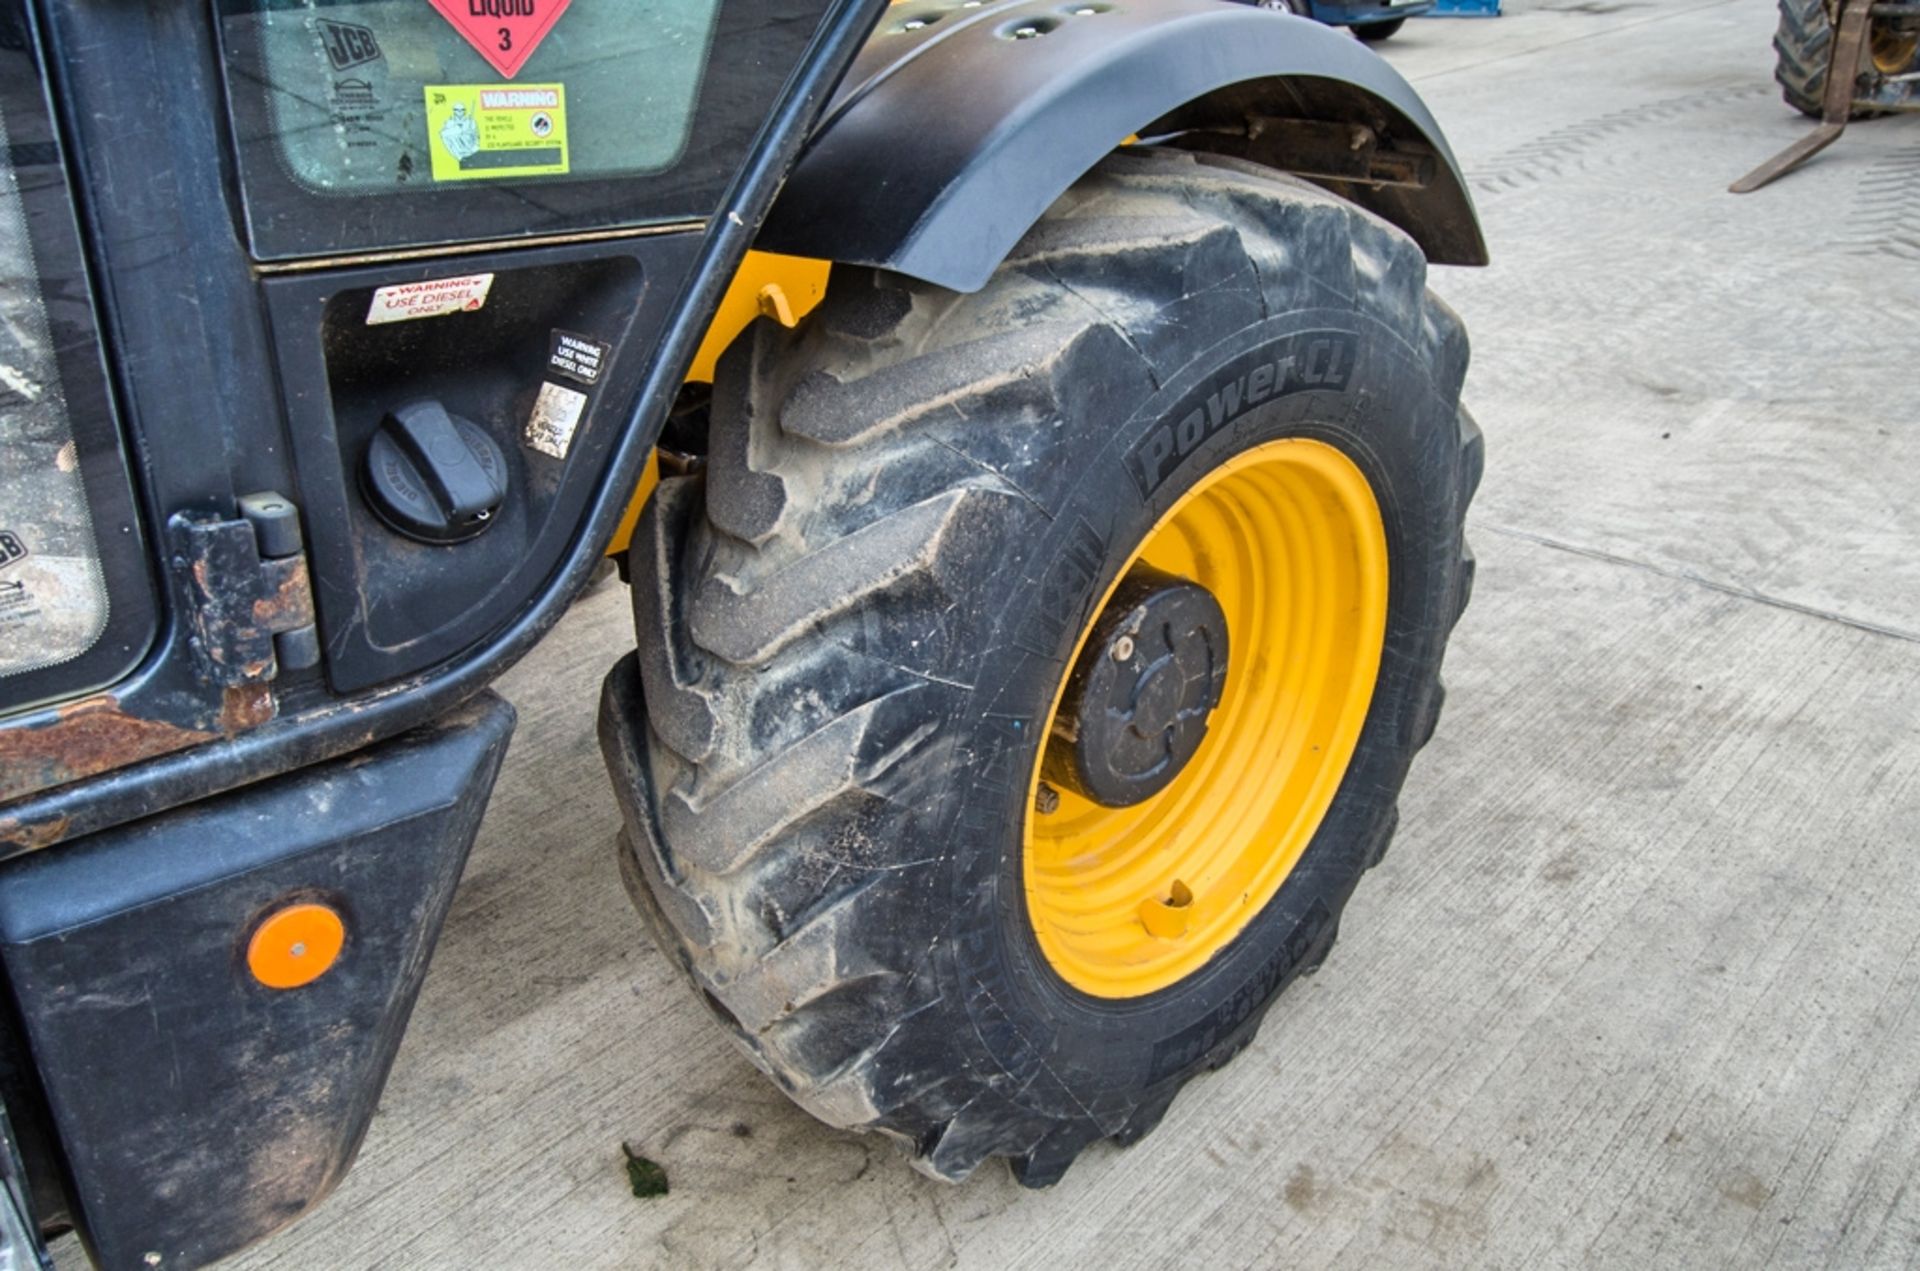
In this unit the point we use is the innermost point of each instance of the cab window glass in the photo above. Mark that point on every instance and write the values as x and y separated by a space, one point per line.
76 610
371 125
53 600
382 95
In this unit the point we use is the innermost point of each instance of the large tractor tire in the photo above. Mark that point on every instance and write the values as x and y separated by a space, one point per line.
1030 677
1803 44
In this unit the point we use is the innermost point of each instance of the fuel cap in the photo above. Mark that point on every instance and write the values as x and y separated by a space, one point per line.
434 476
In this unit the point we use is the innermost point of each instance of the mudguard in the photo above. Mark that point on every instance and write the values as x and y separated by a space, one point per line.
959 125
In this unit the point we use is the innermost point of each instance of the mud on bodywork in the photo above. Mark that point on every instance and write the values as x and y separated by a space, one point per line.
197 1108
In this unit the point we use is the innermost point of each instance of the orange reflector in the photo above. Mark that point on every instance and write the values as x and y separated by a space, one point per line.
296 946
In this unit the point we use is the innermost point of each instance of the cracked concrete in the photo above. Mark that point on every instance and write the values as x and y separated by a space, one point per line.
1636 986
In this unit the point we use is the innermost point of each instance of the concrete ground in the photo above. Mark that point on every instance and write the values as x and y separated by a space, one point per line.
1636 986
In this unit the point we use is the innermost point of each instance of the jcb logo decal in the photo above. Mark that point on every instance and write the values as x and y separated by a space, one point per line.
348 45
1323 361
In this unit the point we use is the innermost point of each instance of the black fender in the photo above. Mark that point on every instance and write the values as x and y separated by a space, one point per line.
958 126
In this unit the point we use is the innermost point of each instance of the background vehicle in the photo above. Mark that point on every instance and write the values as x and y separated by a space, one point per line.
1370 19
1804 46
331 384
1836 61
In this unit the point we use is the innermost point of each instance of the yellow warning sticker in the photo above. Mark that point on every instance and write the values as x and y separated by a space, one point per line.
478 132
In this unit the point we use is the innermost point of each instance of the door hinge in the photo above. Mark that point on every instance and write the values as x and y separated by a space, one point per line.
252 601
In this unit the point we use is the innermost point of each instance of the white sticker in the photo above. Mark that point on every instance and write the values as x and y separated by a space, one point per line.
556 413
410 300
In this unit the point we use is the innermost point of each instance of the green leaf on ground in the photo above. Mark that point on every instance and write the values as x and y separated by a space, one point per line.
649 1179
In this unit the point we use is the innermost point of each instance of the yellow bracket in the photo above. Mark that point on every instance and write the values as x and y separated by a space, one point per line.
783 288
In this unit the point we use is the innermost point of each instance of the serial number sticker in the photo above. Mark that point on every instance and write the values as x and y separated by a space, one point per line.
482 132
406 301
580 358
556 414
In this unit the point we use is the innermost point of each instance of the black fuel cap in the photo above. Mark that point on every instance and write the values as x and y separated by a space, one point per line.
434 476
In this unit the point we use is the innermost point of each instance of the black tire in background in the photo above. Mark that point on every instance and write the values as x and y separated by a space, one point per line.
1803 47
1374 32
848 626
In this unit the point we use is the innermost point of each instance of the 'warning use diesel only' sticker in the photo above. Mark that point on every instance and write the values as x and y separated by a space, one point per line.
406 301
481 131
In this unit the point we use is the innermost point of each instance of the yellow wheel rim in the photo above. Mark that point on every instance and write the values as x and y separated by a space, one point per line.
1892 47
1288 538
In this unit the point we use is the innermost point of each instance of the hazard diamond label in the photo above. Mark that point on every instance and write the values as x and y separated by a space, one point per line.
506 32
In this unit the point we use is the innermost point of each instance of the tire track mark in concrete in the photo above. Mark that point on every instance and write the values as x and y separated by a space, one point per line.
1569 149
1882 223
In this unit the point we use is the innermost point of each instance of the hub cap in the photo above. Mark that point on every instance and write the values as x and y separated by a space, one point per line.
1136 706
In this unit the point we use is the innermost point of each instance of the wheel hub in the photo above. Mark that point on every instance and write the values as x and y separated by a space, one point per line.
1140 696
1893 44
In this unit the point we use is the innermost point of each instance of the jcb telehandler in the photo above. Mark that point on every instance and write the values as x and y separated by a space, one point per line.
1039 600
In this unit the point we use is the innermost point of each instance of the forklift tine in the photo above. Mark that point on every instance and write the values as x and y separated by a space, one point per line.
1836 106
1787 160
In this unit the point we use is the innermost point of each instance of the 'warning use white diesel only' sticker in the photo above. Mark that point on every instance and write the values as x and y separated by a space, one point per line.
409 300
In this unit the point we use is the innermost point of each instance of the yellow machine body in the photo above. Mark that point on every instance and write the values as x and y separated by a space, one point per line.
784 288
